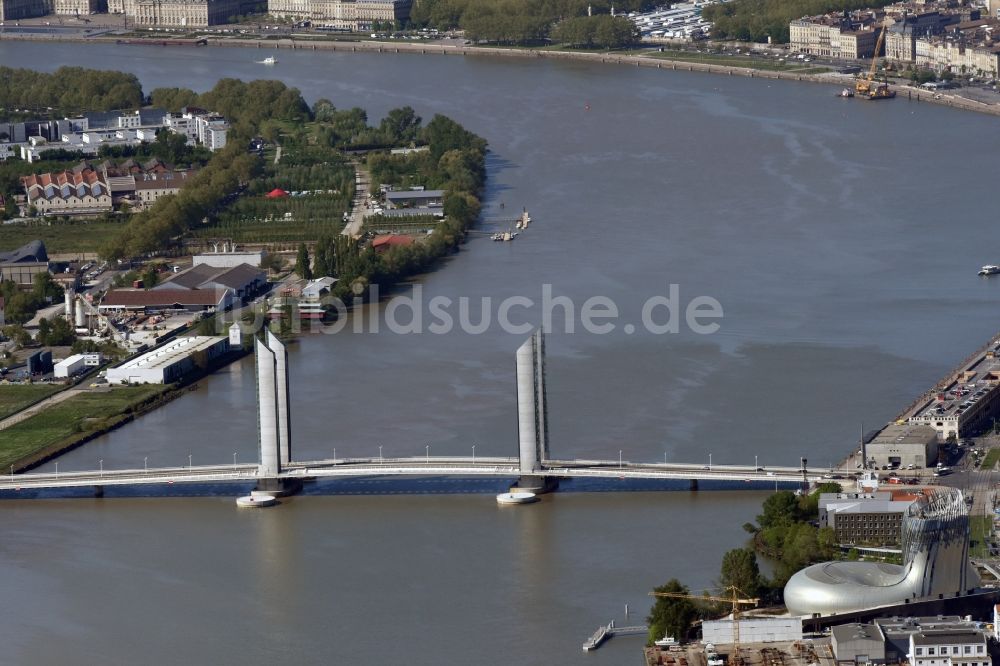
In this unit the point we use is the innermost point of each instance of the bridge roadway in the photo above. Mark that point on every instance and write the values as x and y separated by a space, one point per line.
411 466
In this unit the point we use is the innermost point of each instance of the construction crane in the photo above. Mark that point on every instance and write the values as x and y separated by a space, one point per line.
734 600
866 87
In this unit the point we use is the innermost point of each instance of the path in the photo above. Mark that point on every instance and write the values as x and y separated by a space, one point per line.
358 207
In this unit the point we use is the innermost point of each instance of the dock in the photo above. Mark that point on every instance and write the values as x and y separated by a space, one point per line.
608 631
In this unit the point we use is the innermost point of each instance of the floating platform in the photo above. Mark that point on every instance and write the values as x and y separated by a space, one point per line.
255 501
517 498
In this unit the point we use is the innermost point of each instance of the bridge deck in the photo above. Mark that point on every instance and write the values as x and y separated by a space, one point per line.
414 466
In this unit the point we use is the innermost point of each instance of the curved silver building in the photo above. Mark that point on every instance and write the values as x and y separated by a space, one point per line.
935 565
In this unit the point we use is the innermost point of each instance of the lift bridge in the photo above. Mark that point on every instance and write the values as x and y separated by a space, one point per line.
533 469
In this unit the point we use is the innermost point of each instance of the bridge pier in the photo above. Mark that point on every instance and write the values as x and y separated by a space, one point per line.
279 487
535 484
693 485
98 491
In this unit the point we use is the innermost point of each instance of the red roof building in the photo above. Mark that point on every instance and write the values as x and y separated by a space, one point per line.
156 300
383 243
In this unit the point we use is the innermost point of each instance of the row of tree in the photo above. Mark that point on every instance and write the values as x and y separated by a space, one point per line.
531 21
758 20
68 91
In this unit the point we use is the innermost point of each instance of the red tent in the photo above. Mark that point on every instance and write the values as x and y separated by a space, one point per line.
276 193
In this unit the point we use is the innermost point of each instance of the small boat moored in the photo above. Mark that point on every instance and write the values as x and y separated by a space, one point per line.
846 92
989 269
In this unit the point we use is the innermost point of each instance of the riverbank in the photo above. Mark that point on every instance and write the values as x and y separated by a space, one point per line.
651 61
88 414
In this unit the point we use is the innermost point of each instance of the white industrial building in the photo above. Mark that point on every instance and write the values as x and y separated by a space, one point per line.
74 364
227 259
170 362
752 630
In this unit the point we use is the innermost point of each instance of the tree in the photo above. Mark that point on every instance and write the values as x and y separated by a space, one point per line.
740 570
400 125
273 263
302 263
56 333
17 334
780 508
670 616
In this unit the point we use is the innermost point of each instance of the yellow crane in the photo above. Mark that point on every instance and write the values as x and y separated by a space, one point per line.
866 86
734 600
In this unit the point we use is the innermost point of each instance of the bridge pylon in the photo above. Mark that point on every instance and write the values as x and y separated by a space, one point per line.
273 415
532 415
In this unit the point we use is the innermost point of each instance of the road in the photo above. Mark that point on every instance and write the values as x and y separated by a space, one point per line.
362 182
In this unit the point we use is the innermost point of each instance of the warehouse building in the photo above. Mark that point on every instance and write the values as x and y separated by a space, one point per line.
934 641
901 445
752 630
170 362
243 280
856 644
969 403
164 300
75 364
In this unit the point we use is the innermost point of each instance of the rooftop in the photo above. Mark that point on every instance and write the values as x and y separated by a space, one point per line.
235 277
171 353
949 637
33 252
978 378
136 298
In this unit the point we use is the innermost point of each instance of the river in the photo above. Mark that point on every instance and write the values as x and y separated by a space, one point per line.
841 239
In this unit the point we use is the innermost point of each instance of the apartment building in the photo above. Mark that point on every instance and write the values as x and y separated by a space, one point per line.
849 36
346 14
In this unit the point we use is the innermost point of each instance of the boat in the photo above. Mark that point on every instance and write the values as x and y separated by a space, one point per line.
666 642
504 236
269 60
846 92
989 269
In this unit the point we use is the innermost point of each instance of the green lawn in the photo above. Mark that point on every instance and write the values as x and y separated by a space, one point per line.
15 397
72 418
980 528
59 236
992 456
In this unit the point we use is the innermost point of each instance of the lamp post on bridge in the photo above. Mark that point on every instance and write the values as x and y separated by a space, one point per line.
709 462
189 462
234 461
335 455
619 459
57 468
756 467
427 455
473 454
145 464
379 454
101 463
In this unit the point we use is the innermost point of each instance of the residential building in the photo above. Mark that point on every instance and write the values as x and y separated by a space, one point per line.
847 36
901 36
180 13
971 47
199 125
313 294
151 187
949 647
170 362
77 7
345 14
82 191
11 10
899 631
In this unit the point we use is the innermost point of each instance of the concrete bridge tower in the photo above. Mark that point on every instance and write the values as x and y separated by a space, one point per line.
273 414
532 414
